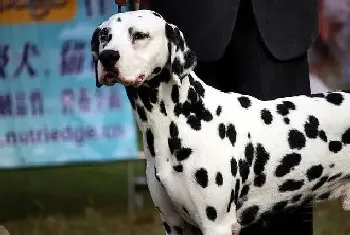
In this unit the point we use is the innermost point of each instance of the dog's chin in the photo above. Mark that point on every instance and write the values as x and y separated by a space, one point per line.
108 80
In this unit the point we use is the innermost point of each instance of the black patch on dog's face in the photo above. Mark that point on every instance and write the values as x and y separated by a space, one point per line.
244 101
296 139
105 35
266 116
291 185
314 172
311 127
95 47
95 41
249 215
335 98
201 177
287 164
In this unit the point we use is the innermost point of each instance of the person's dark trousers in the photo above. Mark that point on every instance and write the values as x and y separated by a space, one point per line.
248 68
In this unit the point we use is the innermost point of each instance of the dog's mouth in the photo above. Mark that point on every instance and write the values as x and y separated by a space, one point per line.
111 76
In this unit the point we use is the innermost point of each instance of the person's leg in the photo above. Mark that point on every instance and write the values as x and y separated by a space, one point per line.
248 68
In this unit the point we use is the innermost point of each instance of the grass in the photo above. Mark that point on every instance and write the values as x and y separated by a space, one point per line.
77 200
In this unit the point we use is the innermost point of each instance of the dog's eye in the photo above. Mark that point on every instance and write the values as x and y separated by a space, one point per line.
105 35
140 36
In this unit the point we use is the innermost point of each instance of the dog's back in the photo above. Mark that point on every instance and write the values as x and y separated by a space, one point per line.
302 149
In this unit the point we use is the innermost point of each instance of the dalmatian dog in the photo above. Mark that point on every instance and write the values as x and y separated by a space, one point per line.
220 161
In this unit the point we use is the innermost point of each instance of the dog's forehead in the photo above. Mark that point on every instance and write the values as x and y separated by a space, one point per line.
142 18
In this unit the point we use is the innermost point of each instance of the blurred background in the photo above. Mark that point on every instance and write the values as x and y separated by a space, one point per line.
71 157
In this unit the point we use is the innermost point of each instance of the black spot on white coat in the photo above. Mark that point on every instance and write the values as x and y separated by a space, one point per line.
150 142
201 176
314 172
244 101
288 163
335 98
296 139
211 213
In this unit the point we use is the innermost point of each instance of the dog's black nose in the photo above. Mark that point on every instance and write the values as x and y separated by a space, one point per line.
108 58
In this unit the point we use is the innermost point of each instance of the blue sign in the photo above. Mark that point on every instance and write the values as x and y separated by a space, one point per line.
51 113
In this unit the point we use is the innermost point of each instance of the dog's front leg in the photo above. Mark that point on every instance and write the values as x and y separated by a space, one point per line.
172 220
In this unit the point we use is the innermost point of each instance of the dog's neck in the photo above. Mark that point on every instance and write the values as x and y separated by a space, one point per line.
166 95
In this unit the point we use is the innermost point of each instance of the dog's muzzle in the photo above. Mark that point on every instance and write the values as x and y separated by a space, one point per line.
108 59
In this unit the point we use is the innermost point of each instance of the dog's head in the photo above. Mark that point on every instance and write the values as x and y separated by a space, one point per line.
132 47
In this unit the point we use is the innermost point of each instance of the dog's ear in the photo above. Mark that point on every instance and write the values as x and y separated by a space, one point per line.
95 48
181 58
